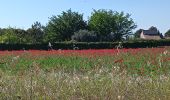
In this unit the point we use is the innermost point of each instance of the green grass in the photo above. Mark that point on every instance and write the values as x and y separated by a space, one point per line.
100 84
125 76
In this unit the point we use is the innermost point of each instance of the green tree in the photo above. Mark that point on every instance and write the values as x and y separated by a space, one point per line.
36 32
137 33
152 28
13 35
62 27
9 36
101 22
23 36
105 22
124 25
167 34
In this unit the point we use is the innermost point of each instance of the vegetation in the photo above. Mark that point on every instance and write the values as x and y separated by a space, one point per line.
106 22
118 72
102 25
36 33
84 36
86 74
62 27
167 34
137 33
88 45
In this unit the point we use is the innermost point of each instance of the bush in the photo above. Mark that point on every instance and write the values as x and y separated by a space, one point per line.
84 36
87 45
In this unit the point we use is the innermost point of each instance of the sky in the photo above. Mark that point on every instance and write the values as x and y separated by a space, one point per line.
23 13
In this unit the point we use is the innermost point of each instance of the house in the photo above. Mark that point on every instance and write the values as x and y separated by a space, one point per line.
151 35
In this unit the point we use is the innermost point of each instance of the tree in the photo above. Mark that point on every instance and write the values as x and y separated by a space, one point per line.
137 33
23 36
62 27
84 36
167 34
153 28
101 22
36 32
104 22
123 26
9 36
14 35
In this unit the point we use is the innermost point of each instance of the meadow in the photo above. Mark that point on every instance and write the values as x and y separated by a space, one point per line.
106 74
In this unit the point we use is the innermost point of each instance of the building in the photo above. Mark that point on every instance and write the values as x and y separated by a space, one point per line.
151 35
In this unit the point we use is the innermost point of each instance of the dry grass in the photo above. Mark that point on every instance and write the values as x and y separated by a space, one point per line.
136 75
101 84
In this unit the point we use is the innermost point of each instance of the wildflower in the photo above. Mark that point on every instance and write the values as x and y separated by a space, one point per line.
120 97
118 61
76 79
165 52
86 78
116 68
15 58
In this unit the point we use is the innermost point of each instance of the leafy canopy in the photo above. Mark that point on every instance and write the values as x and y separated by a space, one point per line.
62 27
167 34
105 22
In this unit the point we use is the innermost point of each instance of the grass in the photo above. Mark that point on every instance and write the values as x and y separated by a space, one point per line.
79 75
92 85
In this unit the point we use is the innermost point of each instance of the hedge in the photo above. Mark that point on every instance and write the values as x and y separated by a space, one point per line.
87 45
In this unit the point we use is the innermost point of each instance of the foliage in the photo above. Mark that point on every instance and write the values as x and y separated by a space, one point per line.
124 26
153 29
85 74
84 36
87 45
167 34
23 36
137 33
104 22
36 32
107 26
13 36
62 27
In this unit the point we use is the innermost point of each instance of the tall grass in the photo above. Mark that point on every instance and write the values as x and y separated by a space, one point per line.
130 75
101 84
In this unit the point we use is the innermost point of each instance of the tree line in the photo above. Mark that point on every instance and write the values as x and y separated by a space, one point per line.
102 25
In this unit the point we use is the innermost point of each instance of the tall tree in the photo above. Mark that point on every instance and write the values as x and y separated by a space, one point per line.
152 28
36 32
123 25
14 35
167 34
23 36
105 22
137 33
62 27
102 22
9 36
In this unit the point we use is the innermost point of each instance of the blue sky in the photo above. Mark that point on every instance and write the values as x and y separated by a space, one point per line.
23 13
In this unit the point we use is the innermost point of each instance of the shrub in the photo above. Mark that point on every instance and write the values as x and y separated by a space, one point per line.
87 45
84 36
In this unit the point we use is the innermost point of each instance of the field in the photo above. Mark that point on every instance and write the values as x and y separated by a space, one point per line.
111 74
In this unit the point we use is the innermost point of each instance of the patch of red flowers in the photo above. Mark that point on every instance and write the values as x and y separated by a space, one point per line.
119 61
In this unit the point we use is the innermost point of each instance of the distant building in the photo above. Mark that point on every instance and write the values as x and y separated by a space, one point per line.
151 35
